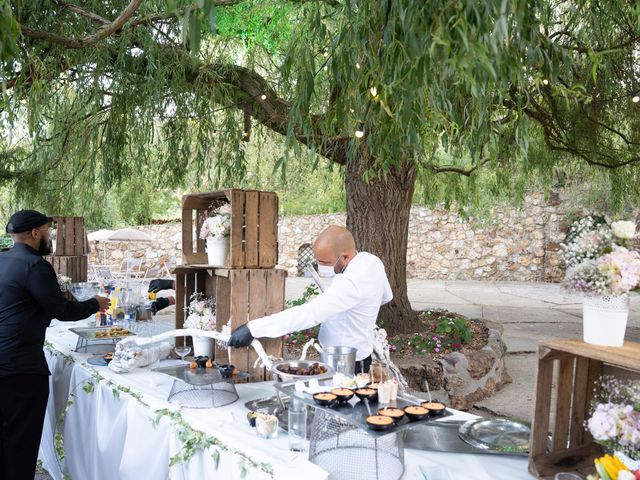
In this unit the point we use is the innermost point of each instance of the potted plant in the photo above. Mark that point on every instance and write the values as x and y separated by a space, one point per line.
216 230
604 270
201 315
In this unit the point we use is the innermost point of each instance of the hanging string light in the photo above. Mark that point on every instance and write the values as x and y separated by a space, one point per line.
360 131
374 92
263 97
635 99
545 82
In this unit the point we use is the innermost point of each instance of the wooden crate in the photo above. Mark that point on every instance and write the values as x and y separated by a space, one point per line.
74 266
240 295
574 367
71 236
254 227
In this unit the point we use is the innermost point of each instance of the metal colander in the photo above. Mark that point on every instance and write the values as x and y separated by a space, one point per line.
347 451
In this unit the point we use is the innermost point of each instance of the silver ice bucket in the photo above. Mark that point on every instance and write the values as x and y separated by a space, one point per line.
341 359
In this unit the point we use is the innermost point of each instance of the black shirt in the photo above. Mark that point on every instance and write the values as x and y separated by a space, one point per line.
29 298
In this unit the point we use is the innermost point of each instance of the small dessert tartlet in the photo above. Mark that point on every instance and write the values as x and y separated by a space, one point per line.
416 412
435 408
379 422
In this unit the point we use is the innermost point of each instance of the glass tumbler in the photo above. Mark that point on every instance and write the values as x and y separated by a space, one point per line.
298 430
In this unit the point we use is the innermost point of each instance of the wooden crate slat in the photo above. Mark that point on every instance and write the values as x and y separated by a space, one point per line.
541 412
275 304
251 259
223 312
563 403
180 281
68 235
595 371
257 309
236 255
268 229
627 356
239 311
78 236
579 408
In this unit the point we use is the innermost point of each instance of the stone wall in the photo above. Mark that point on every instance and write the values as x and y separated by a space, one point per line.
512 244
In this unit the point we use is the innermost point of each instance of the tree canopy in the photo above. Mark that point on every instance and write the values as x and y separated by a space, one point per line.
391 89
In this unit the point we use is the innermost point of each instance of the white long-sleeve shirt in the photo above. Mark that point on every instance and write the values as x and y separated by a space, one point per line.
347 310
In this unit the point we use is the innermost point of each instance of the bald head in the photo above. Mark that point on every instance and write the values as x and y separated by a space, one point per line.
334 245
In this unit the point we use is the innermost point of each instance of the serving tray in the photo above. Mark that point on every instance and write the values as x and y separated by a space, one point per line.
356 411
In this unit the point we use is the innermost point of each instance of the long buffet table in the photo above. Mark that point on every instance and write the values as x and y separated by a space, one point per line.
104 425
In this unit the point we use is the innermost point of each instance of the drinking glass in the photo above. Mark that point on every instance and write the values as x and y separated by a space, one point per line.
568 476
298 430
183 350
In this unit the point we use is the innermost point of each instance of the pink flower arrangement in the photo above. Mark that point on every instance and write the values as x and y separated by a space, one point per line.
621 268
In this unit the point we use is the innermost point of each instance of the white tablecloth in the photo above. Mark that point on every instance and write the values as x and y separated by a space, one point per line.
109 434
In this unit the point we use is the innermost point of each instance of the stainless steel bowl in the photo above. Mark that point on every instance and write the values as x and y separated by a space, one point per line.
276 369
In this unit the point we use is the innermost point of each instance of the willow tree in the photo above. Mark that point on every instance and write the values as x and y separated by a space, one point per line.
388 89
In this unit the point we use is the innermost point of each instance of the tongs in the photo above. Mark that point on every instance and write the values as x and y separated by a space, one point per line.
220 337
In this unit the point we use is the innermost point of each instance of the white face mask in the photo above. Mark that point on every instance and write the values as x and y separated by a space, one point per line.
326 271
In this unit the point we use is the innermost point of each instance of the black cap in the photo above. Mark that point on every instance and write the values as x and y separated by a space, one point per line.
25 220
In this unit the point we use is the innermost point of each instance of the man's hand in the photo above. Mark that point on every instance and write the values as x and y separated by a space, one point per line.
103 303
158 284
159 304
241 337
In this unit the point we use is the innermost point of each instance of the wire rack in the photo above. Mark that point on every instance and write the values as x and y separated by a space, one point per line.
201 387
347 451
211 395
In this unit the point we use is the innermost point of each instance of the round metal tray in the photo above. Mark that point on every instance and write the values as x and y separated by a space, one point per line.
497 435
276 369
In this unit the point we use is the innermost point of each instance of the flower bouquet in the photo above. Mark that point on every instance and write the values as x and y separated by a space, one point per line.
604 270
216 230
201 315
611 468
615 421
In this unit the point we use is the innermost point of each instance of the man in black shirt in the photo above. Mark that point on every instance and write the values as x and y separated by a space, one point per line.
30 298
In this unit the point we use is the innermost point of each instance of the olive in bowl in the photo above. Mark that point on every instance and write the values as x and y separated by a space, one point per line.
379 423
343 394
325 399
108 357
416 412
226 370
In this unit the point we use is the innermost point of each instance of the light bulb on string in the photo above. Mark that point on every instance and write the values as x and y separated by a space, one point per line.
263 97
360 131
374 91
635 99
325 54
545 82
357 65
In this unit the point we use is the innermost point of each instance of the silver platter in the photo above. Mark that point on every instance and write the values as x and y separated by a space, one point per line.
497 435
276 369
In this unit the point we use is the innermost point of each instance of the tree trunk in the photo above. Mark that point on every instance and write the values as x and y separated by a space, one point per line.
378 216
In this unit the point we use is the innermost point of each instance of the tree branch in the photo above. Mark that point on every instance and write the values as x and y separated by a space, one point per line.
89 40
84 13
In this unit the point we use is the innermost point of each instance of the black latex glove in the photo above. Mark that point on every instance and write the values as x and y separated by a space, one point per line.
241 337
159 304
158 284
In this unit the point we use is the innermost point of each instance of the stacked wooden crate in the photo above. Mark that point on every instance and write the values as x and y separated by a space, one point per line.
70 255
250 286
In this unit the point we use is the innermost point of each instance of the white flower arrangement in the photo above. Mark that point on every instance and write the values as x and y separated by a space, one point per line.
63 280
219 225
201 313
597 261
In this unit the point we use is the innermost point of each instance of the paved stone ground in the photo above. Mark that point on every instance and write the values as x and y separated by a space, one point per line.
529 312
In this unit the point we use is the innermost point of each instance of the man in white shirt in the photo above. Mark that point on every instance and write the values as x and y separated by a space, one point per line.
347 310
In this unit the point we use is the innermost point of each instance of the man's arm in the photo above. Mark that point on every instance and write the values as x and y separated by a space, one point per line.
339 297
43 286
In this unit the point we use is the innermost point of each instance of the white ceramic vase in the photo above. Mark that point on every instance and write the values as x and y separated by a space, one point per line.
217 251
604 319
203 346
